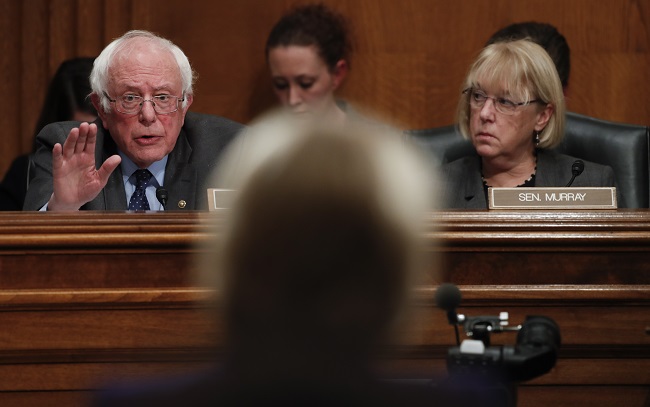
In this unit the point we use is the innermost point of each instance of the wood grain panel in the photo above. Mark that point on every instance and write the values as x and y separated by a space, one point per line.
89 28
65 342
35 59
85 376
40 399
109 270
80 316
592 396
62 41
103 329
117 19
10 68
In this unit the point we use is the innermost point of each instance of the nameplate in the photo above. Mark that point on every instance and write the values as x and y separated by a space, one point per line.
220 199
552 198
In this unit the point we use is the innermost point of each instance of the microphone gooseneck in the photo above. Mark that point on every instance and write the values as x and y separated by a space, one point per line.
576 169
162 196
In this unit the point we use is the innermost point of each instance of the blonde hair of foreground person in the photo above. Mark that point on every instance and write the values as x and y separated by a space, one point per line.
323 238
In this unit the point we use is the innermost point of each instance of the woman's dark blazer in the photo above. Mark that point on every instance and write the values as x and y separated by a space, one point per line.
463 186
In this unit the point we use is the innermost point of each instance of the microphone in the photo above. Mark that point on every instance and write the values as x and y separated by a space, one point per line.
448 298
576 169
534 354
162 195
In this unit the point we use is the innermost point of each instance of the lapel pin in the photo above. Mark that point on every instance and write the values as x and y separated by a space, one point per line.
182 204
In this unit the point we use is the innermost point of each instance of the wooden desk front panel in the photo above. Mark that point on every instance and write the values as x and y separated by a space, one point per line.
72 342
120 250
98 250
528 248
75 311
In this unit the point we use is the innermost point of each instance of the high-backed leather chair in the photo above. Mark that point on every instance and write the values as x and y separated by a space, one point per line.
624 147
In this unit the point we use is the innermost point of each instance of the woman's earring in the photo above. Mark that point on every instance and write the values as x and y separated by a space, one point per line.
536 133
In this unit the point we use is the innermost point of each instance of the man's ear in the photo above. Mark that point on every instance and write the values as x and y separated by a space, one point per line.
188 101
340 72
94 98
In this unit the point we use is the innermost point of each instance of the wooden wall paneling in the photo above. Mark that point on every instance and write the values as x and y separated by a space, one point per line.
615 89
117 18
35 68
90 28
141 14
50 40
10 87
61 36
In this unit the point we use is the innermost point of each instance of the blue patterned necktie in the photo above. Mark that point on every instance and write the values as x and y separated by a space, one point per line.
139 200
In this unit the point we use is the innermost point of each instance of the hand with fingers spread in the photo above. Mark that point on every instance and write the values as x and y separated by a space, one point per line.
75 178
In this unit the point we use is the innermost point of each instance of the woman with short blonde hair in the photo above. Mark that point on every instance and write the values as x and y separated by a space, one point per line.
512 110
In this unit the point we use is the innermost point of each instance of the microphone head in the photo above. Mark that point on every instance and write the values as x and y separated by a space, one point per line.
162 195
577 167
448 297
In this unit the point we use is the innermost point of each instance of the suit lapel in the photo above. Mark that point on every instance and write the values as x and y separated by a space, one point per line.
181 177
113 193
548 172
472 187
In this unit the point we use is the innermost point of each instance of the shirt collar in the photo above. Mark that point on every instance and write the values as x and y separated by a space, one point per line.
157 169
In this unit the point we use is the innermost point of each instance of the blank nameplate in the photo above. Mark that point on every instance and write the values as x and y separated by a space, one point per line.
219 199
552 198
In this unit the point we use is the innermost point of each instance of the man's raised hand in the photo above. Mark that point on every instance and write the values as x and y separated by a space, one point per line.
75 179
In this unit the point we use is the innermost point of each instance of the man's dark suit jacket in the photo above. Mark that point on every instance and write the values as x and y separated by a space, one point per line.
463 186
201 141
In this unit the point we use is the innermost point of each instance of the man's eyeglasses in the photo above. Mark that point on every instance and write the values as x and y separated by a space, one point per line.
132 104
505 106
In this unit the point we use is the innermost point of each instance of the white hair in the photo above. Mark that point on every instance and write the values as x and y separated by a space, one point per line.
99 76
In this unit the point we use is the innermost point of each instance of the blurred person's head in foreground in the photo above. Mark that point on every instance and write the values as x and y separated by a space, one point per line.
316 258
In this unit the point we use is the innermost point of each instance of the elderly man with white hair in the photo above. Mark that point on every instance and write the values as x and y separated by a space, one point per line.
144 140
